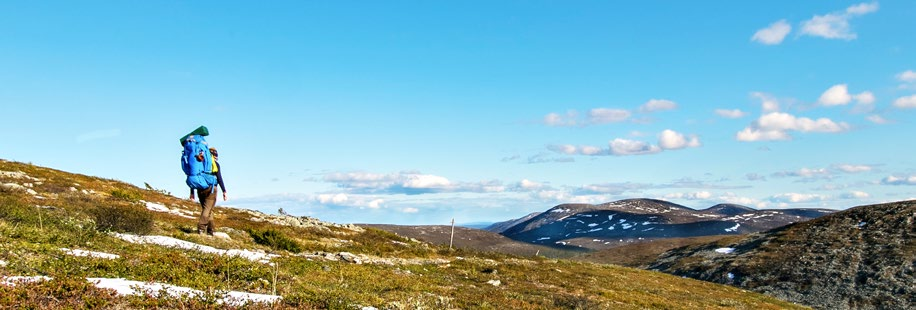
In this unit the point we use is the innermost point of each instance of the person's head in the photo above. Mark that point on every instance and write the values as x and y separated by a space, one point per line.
214 152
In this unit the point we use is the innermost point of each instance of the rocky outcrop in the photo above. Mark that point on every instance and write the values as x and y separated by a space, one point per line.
861 258
299 221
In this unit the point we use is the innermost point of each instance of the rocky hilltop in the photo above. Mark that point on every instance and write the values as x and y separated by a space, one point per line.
648 219
861 258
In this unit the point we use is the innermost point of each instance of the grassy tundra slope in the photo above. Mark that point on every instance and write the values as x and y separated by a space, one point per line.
48 217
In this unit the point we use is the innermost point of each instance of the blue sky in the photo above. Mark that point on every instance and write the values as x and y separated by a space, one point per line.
415 112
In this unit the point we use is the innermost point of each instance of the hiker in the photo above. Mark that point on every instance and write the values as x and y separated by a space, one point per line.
201 169
208 198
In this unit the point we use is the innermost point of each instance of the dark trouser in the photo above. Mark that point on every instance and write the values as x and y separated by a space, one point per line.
207 201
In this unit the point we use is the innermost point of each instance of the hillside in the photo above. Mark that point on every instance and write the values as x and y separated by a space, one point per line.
641 254
75 241
861 258
635 220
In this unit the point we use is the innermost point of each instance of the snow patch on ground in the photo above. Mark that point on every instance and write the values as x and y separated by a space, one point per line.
559 211
543 238
84 253
128 287
13 280
152 206
733 229
186 245
725 250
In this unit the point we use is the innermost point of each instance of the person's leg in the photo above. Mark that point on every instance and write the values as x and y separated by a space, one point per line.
207 201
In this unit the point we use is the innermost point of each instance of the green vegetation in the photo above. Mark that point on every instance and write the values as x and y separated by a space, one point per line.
123 219
127 195
413 275
275 239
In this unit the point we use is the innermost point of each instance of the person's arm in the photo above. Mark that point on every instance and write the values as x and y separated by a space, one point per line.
219 180
192 194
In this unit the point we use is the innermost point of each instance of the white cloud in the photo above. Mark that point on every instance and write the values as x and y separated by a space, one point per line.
557 120
424 181
862 8
530 185
566 197
797 198
667 139
410 210
336 199
730 113
776 125
577 150
899 180
907 102
98 135
839 95
755 134
411 183
344 200
774 34
853 168
375 203
907 76
590 150
564 148
767 102
631 147
745 201
835 95
605 116
836 25
805 173
672 140
865 97
856 195
703 195
877 119
654 105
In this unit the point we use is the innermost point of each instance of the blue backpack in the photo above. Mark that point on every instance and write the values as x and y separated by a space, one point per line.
196 161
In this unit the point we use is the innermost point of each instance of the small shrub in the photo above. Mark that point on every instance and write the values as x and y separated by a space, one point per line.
275 239
153 189
122 219
126 195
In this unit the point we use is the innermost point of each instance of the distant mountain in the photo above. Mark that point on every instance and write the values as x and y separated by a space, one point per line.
861 258
502 226
475 225
646 219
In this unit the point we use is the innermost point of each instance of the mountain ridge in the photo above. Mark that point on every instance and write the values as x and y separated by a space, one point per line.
642 218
